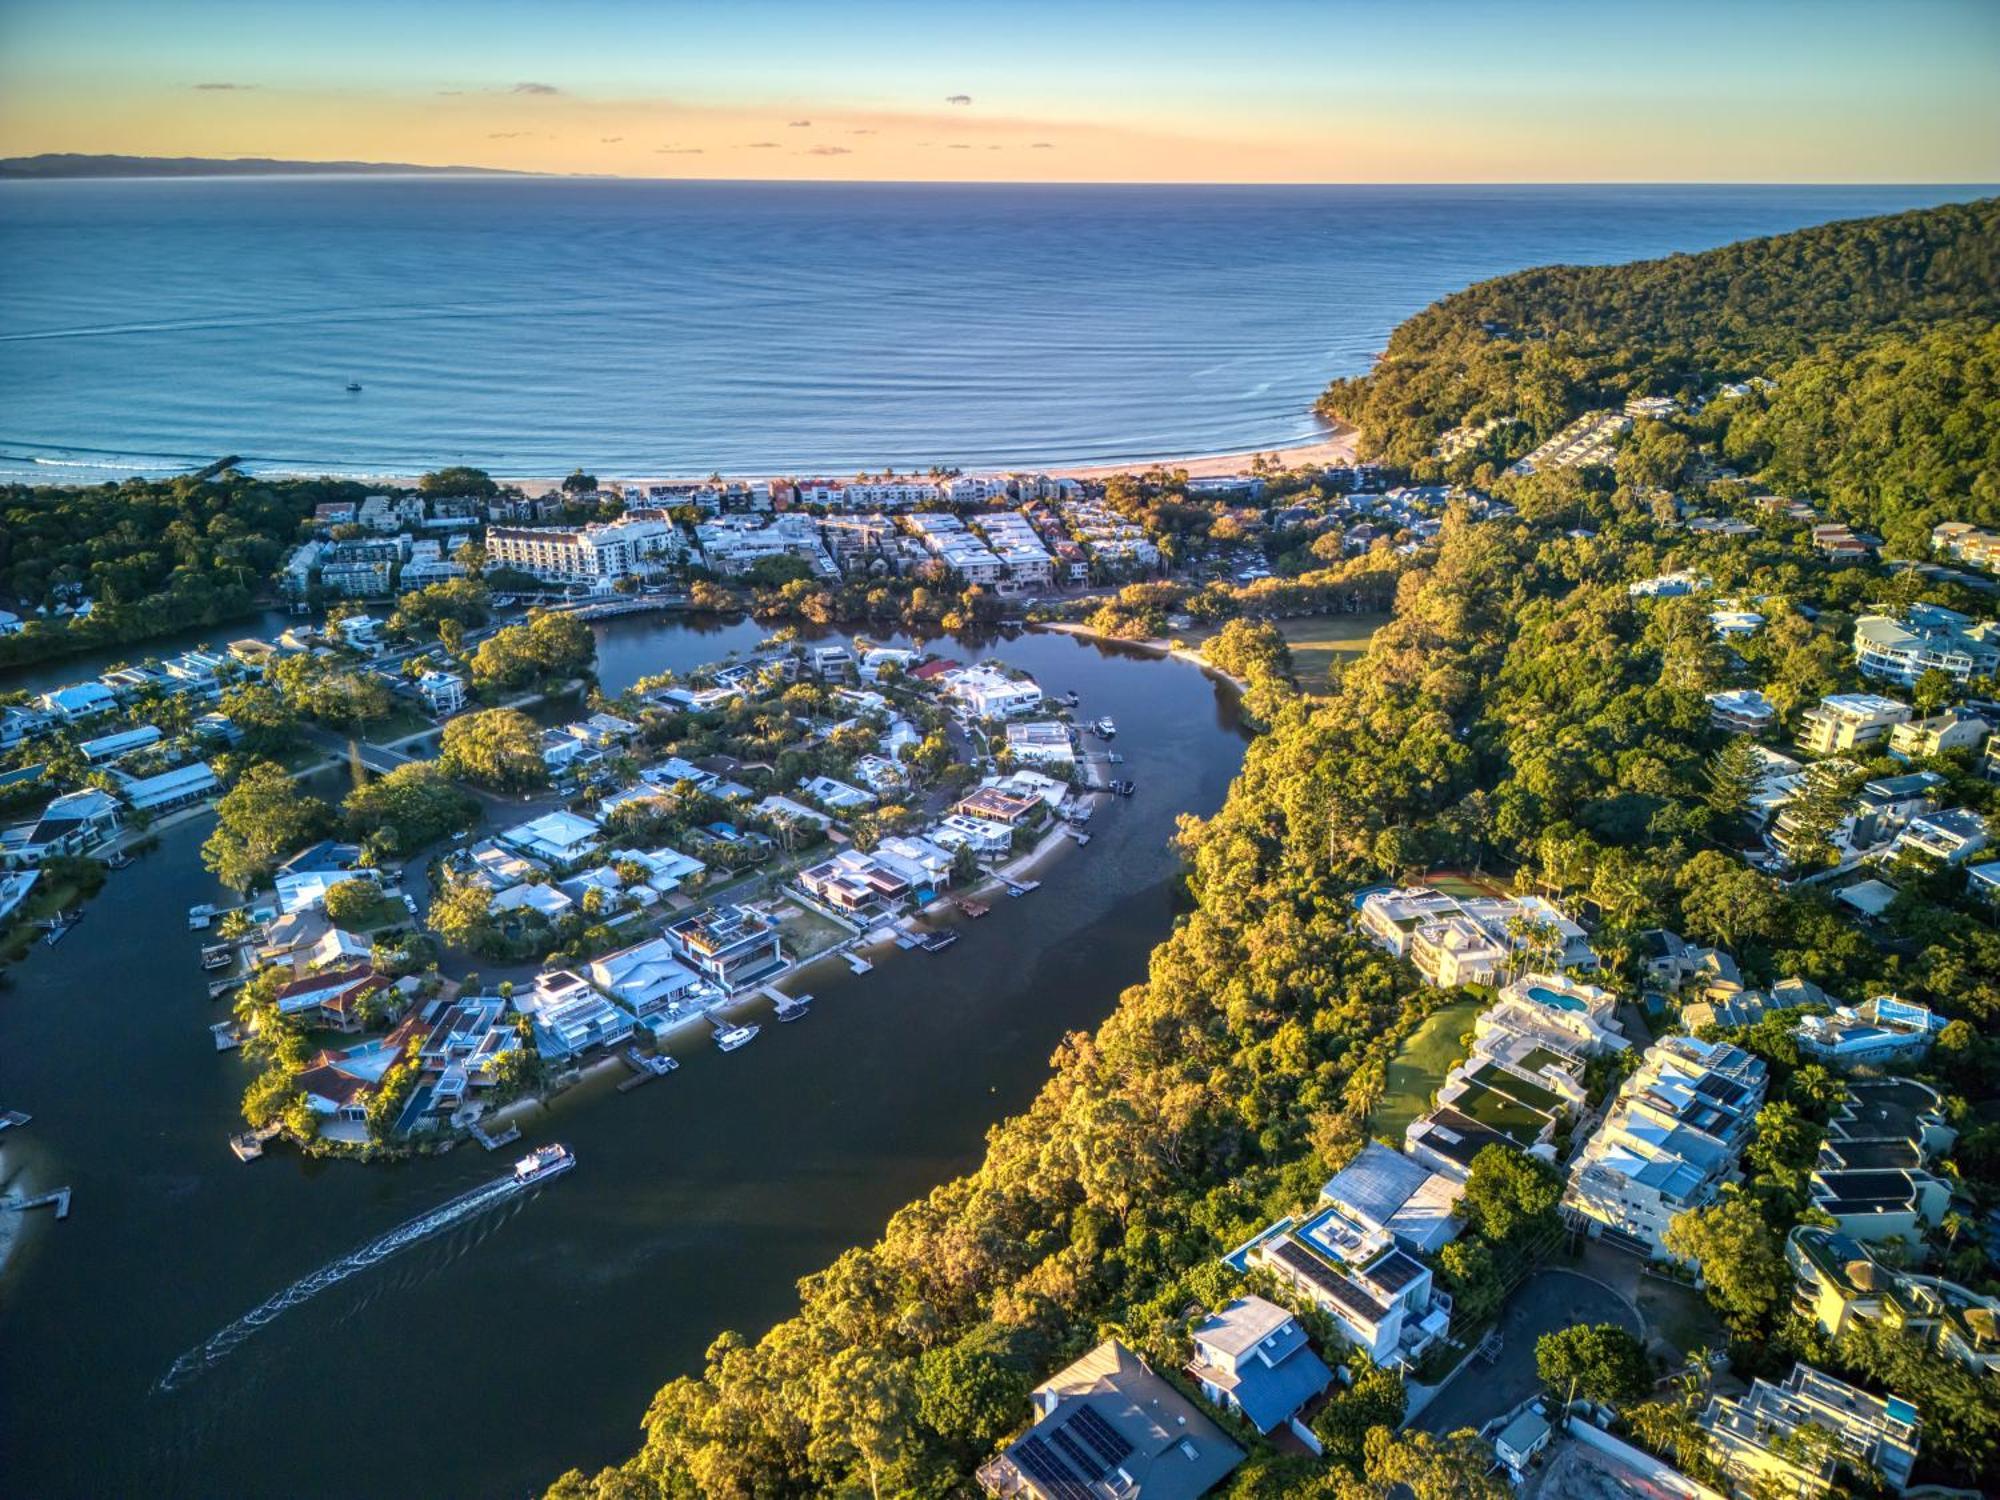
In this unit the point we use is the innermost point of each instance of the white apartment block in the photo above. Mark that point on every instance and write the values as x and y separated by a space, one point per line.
732 545
1759 1438
1850 721
1967 543
1924 639
602 551
1742 711
1668 1143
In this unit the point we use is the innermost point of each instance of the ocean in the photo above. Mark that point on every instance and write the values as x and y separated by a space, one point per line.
532 325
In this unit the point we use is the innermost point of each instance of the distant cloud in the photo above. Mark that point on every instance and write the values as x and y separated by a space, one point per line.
507 135
829 151
798 124
1041 145
992 148
609 140
960 146
535 88
860 132
761 146
677 151
958 98
449 93
222 88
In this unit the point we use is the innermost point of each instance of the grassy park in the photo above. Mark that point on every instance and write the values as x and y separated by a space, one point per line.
1419 1067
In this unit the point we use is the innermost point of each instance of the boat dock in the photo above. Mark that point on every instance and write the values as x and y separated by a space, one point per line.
1018 887
644 1069
228 1036
250 1145
60 1198
856 962
496 1142
937 942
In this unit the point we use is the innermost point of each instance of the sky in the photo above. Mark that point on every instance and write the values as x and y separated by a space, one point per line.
1027 90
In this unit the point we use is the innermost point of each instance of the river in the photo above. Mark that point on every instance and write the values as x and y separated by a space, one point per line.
530 1336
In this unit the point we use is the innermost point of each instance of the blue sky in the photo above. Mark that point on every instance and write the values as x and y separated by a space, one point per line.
1540 90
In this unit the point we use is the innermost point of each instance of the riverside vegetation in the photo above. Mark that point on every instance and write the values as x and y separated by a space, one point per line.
1518 714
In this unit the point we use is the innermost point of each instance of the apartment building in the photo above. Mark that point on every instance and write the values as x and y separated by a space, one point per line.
1841 1284
1456 940
1925 739
734 946
1924 638
1669 1141
1966 543
1027 562
598 552
1742 711
1844 722
1760 1439
357 570
1872 1176
1882 1030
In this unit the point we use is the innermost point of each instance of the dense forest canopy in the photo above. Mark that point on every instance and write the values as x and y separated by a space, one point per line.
1878 334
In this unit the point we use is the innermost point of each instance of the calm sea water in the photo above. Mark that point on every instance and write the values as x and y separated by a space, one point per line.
673 328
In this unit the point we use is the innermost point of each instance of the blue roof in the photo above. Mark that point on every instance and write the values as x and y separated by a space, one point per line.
1270 1393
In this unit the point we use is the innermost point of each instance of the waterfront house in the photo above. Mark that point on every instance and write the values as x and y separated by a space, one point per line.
649 984
168 790
854 882
333 998
81 700
1760 1438
1252 1357
71 824
1456 940
733 946
995 805
569 1017
924 864
959 830
559 838
1108 1428
986 692
335 1093
1041 742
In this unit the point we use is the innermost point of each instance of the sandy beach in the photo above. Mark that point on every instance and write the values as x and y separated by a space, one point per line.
1336 447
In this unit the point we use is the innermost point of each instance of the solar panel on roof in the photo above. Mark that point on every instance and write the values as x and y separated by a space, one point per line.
1082 1461
1108 1441
1048 1473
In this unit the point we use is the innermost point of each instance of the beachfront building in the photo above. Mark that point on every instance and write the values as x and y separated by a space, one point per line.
1108 1428
1924 638
1797 1436
1841 1284
734 947
1668 1143
636 542
1252 1357
1455 940
1925 739
1844 722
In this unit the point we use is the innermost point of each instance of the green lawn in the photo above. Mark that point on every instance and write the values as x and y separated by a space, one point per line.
1419 1067
1319 641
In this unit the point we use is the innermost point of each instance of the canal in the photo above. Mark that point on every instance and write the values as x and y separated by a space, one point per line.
528 1337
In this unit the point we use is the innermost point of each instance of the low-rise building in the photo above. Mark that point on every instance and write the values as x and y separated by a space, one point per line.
1925 739
558 838
1456 940
855 882
1871 1177
1252 1357
1108 1428
1742 711
181 787
71 824
1841 1284
442 692
1883 1030
988 693
1799 1434
650 985
1041 742
1950 837
569 1017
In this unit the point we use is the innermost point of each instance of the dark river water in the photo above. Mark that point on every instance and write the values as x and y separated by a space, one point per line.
527 1337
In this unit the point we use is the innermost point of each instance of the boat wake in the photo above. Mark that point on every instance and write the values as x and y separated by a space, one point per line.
466 1205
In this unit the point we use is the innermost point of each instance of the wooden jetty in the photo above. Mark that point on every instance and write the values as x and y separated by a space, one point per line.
60 1198
250 1145
856 962
228 1036
644 1068
496 1142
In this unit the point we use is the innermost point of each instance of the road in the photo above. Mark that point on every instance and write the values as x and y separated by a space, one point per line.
1551 1299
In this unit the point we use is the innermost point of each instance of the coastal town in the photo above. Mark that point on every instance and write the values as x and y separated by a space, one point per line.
535 883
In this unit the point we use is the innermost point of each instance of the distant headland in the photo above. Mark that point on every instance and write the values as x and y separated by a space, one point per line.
52 164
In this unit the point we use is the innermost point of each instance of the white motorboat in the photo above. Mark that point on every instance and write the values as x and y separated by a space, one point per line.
543 1161
729 1038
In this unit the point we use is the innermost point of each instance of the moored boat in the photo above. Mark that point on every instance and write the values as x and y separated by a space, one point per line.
729 1038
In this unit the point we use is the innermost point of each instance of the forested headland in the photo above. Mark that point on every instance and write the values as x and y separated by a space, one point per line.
1520 715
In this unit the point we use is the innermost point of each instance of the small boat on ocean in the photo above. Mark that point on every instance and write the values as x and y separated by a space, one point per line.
542 1162
354 385
937 942
729 1038
1104 729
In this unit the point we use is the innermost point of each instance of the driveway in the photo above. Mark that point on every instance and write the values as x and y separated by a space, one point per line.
1552 1298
